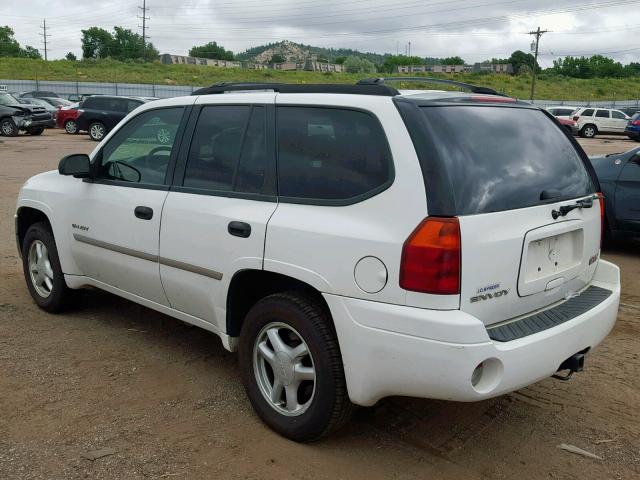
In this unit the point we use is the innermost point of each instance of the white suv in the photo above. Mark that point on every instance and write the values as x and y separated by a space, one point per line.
592 121
350 241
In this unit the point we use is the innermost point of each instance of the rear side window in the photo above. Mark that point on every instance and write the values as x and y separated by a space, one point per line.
95 103
588 112
602 114
331 155
636 116
510 158
228 152
618 115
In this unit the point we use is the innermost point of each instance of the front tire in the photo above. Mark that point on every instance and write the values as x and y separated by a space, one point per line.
8 128
97 131
71 127
35 131
589 131
291 367
42 271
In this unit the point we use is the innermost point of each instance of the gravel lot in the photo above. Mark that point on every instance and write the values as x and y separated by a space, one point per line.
166 399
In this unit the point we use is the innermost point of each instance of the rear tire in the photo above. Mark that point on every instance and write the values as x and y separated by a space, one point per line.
71 127
42 271
97 131
589 131
8 128
304 346
35 131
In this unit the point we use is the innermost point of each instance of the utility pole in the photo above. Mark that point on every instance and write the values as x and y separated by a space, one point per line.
538 33
144 27
409 48
44 35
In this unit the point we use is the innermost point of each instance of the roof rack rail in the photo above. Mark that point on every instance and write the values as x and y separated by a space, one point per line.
468 86
359 89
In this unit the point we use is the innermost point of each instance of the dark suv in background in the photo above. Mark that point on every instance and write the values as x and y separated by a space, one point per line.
99 114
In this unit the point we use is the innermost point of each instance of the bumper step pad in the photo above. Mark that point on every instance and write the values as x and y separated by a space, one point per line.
546 319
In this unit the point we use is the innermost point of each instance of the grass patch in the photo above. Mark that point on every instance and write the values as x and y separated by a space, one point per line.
111 71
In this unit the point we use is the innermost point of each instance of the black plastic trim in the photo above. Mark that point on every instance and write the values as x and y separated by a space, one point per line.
553 317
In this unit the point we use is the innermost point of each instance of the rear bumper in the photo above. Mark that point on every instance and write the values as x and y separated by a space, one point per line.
632 133
397 350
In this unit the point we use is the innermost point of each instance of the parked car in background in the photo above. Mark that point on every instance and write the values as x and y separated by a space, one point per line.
619 176
56 101
44 104
38 94
633 127
569 125
342 238
562 111
99 114
66 118
16 117
592 121
630 110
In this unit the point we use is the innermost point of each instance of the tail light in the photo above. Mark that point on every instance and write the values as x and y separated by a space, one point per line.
431 257
576 118
636 123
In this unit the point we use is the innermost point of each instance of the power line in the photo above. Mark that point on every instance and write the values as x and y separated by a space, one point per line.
44 35
538 33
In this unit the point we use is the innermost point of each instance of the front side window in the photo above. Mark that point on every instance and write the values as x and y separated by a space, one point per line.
331 154
602 114
140 151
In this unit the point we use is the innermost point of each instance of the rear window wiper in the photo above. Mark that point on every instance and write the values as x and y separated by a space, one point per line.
564 209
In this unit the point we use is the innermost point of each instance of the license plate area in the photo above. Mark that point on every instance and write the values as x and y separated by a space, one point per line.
552 255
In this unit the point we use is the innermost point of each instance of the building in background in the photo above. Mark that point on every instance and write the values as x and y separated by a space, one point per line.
478 67
168 59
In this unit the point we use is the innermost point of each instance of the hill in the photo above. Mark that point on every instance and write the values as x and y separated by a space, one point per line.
548 86
298 52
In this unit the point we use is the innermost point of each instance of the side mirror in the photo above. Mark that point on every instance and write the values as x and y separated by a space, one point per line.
77 164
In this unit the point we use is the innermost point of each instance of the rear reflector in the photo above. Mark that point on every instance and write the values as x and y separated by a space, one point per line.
602 218
431 257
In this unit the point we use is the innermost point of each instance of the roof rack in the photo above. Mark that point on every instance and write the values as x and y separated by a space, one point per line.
467 86
358 89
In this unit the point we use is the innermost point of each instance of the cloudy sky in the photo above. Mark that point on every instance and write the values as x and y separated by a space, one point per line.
473 29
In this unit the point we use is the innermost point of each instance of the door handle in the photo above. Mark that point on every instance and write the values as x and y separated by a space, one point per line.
145 213
239 229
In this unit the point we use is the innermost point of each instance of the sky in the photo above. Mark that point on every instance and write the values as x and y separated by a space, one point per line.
476 30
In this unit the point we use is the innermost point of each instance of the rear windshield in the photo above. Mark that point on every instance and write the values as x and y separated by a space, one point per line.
501 158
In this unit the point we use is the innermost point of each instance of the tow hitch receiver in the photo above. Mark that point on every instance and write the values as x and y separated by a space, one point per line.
575 363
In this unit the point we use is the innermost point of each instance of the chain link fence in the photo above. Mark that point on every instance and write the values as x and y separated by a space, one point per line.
166 91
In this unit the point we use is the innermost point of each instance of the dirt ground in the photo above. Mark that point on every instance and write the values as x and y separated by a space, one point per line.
166 397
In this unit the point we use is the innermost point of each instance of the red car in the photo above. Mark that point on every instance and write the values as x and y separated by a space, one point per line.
66 118
570 125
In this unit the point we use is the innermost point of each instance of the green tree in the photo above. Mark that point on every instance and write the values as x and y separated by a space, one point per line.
122 44
340 60
393 61
277 58
9 46
453 61
211 50
359 65
70 56
519 59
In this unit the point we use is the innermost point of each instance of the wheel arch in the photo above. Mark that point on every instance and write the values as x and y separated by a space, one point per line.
247 287
25 217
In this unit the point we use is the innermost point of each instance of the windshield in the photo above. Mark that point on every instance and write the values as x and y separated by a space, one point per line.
501 158
8 100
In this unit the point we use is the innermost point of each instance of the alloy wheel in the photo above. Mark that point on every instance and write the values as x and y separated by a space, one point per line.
284 369
40 270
